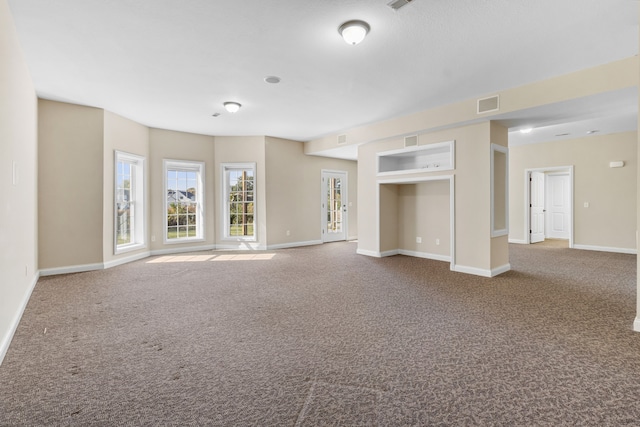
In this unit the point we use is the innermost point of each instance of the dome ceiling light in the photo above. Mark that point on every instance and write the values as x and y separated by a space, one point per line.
232 107
353 32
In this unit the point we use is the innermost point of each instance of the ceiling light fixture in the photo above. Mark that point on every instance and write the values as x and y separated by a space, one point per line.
526 130
232 107
353 32
591 132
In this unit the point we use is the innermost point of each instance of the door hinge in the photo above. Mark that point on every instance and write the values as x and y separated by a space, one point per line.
530 231
322 231
530 205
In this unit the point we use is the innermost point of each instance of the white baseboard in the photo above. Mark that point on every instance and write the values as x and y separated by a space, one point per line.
472 270
636 324
183 250
71 269
427 255
242 246
6 340
124 260
294 244
389 253
519 241
366 252
606 249
500 270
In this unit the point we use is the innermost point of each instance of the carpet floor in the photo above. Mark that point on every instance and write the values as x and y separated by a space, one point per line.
320 336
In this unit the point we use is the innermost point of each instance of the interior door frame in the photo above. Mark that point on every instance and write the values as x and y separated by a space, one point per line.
344 195
527 200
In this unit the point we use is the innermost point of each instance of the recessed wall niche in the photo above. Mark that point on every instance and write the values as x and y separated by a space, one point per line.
499 191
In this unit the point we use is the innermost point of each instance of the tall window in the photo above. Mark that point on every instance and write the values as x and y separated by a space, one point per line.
239 194
184 190
129 202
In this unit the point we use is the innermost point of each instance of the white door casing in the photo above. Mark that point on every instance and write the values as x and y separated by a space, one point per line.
334 206
536 205
557 217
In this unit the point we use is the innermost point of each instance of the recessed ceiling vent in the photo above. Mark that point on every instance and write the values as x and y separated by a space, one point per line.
411 141
487 105
397 4
342 139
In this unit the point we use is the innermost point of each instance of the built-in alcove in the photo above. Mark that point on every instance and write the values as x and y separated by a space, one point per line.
422 158
416 217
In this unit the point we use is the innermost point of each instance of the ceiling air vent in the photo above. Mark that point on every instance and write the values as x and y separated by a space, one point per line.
487 105
342 139
411 141
397 4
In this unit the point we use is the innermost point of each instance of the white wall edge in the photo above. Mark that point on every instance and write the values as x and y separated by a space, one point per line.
182 250
472 270
435 257
518 241
606 249
389 253
366 252
636 326
294 244
500 270
125 260
6 340
71 269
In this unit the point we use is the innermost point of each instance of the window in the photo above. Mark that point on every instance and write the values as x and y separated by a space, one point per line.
184 206
239 200
128 202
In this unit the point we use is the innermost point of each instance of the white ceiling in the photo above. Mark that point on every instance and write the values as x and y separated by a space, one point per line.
172 63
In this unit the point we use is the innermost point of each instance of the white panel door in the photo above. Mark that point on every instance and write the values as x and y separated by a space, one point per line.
558 225
334 206
536 195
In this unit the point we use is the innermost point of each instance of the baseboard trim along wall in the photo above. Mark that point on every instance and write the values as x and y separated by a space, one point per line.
242 246
124 260
636 324
366 252
71 269
472 270
518 241
427 255
606 249
500 270
294 244
6 340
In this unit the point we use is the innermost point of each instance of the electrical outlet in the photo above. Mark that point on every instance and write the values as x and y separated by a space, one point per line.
437 242
586 204
418 239
288 232
153 238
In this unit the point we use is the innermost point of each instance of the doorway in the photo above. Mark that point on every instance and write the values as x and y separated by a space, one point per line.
334 206
549 204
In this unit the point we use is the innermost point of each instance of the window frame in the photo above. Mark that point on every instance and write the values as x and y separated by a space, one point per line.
226 168
185 166
137 190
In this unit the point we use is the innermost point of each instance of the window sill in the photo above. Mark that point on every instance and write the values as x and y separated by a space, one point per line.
183 240
129 248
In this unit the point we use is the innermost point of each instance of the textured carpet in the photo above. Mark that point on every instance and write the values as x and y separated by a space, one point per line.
322 336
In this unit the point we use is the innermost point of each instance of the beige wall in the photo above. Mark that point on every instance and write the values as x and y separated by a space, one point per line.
18 210
610 220
242 149
71 182
128 136
294 192
171 145
423 211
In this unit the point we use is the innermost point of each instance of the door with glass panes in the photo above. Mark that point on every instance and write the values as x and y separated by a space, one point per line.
334 206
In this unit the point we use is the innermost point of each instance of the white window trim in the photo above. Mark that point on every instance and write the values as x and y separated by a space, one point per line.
138 184
185 165
225 167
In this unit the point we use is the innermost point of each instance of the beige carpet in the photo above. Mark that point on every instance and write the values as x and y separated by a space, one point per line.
322 336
